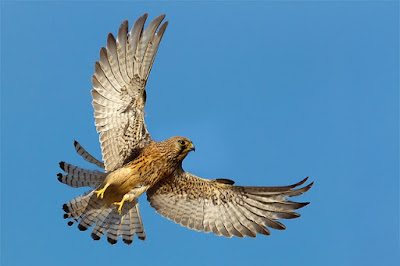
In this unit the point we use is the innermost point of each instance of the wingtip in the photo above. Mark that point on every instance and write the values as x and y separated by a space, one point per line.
225 181
59 177
62 165
162 28
302 182
301 205
123 30
110 38
308 186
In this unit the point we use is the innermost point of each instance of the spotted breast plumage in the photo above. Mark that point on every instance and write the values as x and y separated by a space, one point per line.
134 163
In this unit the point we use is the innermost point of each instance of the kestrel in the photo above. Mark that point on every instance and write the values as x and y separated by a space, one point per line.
134 163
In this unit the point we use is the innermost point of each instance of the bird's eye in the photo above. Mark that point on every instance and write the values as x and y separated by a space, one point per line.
182 142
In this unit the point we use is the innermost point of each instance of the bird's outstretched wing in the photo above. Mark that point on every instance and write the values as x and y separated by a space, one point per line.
119 94
220 207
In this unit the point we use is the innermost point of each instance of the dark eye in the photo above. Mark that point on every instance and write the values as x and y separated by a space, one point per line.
182 142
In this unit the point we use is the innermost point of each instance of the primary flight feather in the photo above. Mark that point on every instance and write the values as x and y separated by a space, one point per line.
135 164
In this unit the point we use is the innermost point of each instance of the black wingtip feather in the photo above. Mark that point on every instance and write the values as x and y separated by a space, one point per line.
65 216
296 205
142 238
283 227
225 181
110 38
125 22
300 183
70 223
295 215
307 188
62 165
59 177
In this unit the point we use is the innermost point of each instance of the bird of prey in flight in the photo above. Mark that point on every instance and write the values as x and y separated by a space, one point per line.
134 163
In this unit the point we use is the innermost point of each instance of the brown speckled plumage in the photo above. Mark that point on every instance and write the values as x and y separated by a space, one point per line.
156 161
135 164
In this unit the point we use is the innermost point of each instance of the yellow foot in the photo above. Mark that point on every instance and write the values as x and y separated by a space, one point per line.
100 193
120 205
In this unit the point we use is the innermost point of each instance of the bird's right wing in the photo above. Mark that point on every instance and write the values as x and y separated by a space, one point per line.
119 94
220 207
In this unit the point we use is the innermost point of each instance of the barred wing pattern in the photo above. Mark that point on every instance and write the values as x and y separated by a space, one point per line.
219 207
119 94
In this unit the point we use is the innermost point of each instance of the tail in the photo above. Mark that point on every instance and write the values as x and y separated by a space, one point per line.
88 210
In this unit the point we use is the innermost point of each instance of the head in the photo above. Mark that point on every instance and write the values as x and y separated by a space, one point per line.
180 147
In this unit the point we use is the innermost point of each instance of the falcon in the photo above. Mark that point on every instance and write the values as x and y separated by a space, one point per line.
134 163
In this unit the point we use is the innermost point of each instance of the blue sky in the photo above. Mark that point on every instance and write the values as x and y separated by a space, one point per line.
269 92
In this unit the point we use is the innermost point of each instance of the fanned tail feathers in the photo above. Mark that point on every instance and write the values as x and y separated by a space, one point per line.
87 209
87 156
78 177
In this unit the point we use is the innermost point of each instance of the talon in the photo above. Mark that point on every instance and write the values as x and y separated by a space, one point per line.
100 193
120 205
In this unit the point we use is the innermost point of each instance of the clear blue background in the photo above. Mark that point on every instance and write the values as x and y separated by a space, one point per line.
269 92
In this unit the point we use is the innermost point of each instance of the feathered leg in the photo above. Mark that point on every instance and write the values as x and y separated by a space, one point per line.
133 194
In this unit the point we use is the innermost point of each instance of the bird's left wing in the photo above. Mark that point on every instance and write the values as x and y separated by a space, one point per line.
220 207
119 94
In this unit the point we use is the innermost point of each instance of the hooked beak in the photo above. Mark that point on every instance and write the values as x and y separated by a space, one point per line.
191 147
